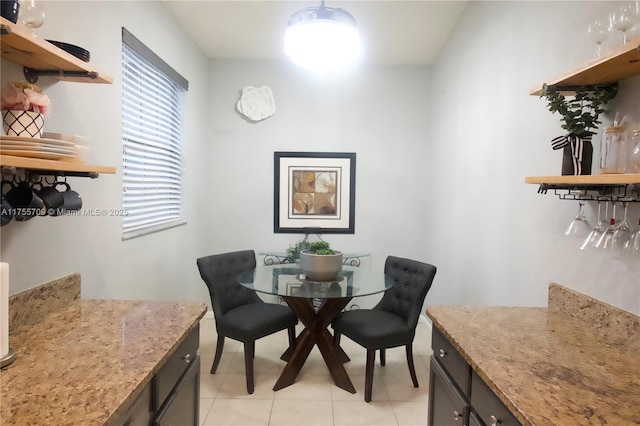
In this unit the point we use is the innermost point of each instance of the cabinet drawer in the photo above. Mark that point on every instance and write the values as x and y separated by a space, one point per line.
451 360
183 403
490 409
447 406
175 366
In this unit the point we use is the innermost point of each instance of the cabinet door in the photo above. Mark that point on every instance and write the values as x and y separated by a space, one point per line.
447 407
488 406
181 408
139 414
474 420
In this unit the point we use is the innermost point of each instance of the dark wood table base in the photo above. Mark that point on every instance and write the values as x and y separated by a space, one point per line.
315 333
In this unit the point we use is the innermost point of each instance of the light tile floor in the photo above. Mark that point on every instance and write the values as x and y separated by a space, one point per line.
313 399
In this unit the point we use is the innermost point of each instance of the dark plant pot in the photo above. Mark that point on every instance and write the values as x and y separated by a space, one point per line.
10 10
568 168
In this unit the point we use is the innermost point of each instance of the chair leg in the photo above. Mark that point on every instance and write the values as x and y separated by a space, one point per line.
216 359
336 338
249 352
368 380
292 337
412 369
383 357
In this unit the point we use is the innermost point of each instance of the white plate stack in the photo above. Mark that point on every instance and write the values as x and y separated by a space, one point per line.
45 148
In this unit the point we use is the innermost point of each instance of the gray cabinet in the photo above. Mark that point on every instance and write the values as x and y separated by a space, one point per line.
172 397
457 395
447 406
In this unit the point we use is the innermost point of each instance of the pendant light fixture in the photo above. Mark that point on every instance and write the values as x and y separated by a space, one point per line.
322 39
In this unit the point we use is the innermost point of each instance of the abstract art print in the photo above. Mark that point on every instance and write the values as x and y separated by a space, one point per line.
314 192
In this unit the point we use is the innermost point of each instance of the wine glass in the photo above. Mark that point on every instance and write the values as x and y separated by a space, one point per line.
32 13
598 30
597 230
634 243
604 242
625 18
621 235
579 226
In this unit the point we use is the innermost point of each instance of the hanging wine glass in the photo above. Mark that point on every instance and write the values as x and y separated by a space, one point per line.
604 242
579 226
624 18
621 235
598 30
32 13
634 243
597 230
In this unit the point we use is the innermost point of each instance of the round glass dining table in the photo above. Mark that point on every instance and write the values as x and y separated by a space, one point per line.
287 281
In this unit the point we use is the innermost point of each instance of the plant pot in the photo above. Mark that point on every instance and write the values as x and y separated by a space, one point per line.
22 123
576 159
320 267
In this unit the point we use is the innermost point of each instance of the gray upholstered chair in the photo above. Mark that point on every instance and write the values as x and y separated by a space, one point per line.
239 313
392 322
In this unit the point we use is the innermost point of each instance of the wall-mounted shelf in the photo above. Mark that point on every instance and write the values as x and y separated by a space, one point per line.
39 57
623 187
604 179
46 167
619 64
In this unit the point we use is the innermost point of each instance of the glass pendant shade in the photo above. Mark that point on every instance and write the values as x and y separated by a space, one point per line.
322 39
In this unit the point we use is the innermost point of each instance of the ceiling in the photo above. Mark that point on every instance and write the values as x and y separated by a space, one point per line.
392 31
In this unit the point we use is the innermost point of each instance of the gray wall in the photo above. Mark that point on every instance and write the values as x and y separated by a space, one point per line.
498 242
157 266
442 153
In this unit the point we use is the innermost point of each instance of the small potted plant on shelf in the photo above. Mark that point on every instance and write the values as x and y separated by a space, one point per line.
319 262
23 109
580 116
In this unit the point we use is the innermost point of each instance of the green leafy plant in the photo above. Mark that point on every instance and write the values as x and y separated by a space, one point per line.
580 114
293 252
320 247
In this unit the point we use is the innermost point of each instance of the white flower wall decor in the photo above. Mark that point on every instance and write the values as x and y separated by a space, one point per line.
256 103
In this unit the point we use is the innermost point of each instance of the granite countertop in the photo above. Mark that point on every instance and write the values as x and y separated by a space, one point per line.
547 367
84 363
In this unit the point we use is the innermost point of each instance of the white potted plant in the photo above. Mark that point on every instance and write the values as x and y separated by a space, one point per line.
23 109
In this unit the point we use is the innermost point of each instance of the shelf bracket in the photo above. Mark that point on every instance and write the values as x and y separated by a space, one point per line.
32 75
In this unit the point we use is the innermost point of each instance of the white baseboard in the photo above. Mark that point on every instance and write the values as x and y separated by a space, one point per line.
426 321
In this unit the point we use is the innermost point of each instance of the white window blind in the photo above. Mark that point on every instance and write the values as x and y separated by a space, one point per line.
151 117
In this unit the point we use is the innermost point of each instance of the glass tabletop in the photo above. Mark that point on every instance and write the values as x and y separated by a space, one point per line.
286 280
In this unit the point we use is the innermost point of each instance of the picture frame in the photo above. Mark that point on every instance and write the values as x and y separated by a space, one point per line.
314 192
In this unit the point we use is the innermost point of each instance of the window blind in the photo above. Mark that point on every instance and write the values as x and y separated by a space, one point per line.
152 161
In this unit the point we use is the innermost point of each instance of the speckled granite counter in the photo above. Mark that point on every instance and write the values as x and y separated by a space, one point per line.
546 365
87 361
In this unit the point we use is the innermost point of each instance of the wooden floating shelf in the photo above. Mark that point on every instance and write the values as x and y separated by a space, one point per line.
619 64
20 45
53 165
605 179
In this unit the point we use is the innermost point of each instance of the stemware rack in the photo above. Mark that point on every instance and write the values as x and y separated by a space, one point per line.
626 193
613 187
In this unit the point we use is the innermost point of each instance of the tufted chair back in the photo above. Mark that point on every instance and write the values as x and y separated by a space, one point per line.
413 280
219 273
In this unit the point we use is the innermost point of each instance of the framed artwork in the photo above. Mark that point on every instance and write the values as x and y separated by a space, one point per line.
314 192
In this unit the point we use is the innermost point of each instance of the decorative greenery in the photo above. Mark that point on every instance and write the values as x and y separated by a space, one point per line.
320 247
581 113
316 247
293 252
